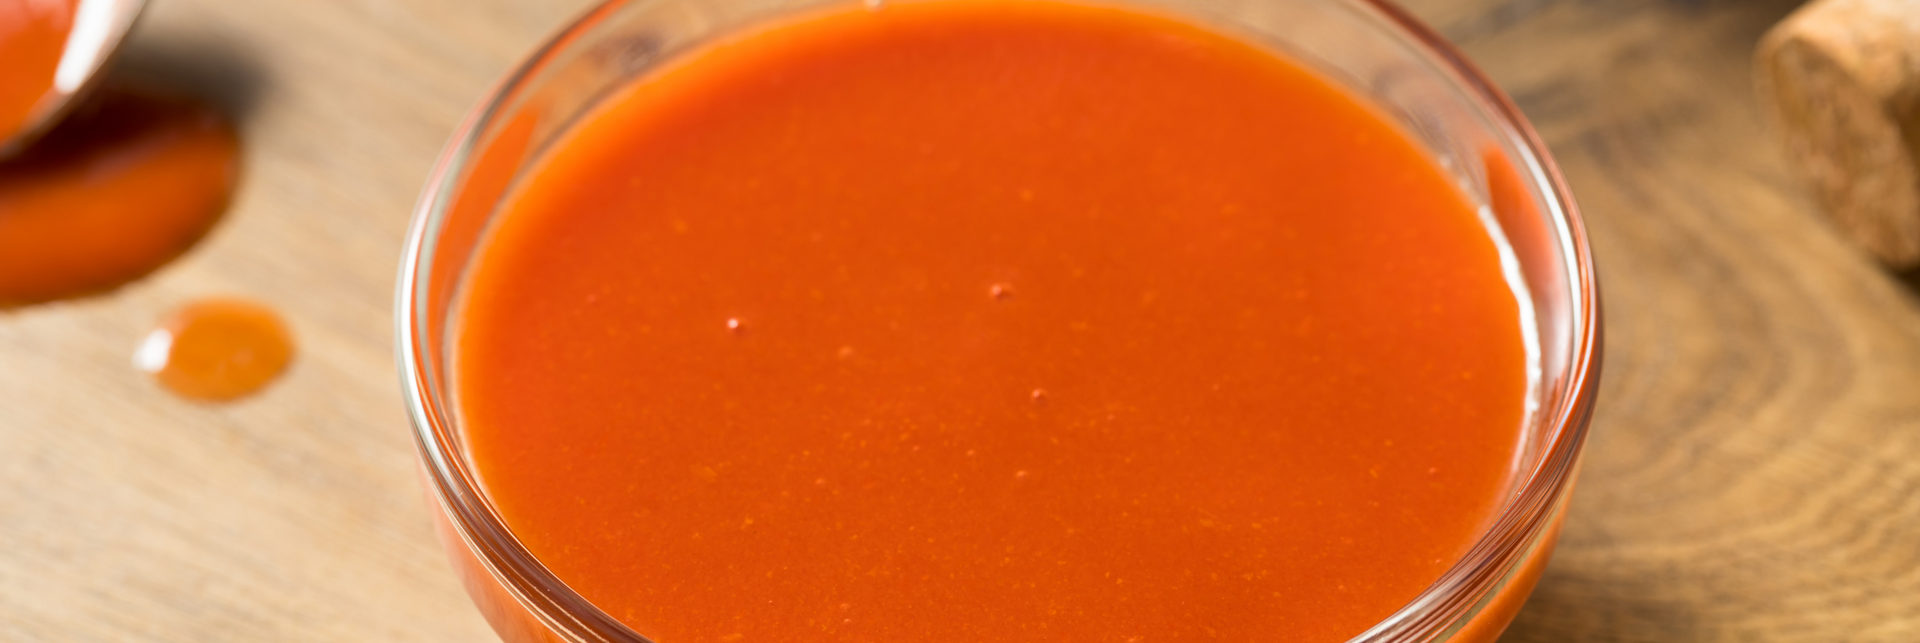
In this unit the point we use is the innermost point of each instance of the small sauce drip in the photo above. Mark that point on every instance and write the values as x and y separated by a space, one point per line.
33 33
127 182
217 349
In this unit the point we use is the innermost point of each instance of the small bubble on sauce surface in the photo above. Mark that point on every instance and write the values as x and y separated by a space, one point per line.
217 349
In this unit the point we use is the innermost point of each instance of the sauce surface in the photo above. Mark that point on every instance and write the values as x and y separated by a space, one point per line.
33 35
217 349
981 320
128 181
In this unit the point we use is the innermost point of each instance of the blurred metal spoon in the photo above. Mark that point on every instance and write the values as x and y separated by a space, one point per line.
99 26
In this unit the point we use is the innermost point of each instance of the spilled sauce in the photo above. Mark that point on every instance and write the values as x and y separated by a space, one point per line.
217 349
32 35
127 182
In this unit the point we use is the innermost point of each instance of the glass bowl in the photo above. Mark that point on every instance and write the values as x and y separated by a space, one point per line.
1377 51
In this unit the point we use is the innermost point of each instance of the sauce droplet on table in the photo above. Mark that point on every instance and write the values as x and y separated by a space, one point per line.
217 349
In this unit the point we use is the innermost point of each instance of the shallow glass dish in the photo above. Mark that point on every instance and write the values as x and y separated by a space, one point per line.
1376 51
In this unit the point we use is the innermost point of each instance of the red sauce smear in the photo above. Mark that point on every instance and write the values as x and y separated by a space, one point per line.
217 349
985 320
127 182
33 34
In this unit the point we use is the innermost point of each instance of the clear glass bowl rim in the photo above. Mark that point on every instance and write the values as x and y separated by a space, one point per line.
1445 604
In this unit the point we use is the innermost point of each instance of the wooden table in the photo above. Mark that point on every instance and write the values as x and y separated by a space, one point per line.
1754 472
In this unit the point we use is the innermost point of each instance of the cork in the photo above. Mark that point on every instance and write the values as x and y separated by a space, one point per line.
1842 80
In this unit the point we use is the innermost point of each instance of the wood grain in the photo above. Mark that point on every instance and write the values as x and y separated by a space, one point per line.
1754 473
128 514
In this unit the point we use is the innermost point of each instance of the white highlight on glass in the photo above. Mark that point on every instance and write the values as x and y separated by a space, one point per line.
92 25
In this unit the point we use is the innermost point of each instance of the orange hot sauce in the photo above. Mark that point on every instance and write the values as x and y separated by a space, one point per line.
217 349
33 34
128 181
989 320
